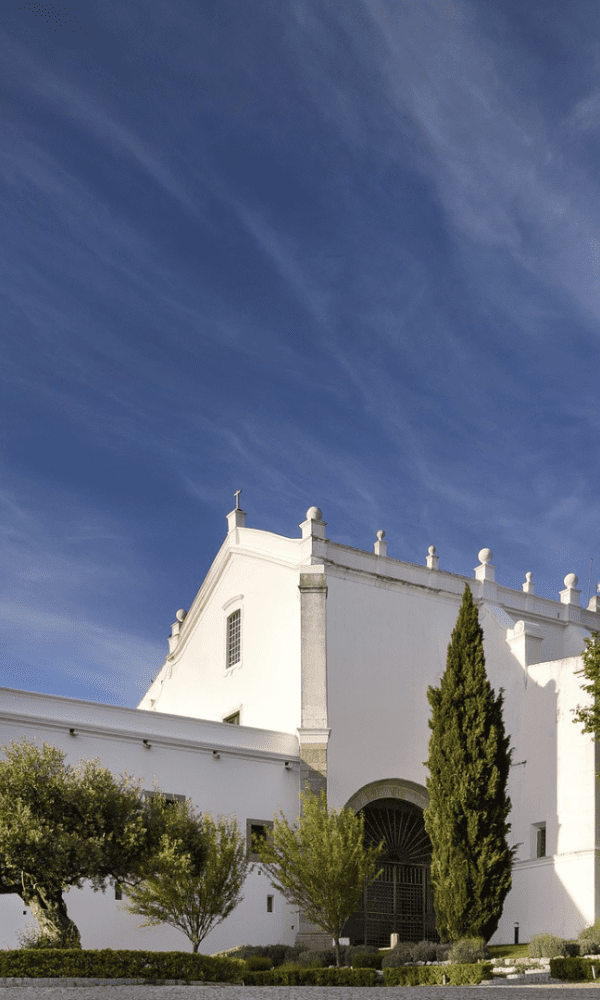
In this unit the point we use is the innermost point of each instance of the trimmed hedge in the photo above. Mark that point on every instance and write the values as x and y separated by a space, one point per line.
574 969
53 963
312 977
431 975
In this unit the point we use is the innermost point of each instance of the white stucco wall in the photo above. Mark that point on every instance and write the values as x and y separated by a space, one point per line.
256 572
249 781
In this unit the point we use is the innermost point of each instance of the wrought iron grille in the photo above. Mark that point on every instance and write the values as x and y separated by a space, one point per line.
401 899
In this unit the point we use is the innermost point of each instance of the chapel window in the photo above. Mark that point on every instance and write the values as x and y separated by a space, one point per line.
256 830
234 638
538 840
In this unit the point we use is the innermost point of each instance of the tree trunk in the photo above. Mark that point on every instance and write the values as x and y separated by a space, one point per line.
56 928
195 946
336 945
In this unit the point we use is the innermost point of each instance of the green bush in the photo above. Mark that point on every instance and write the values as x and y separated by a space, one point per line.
430 975
468 950
358 949
574 969
278 953
424 951
312 977
318 958
442 951
54 963
398 956
366 960
546 946
589 940
258 963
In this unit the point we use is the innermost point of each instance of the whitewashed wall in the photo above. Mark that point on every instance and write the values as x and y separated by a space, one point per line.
249 781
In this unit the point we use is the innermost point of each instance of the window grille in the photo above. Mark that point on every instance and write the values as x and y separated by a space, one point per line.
541 842
234 636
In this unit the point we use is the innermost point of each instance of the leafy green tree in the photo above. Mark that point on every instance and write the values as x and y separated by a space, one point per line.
590 717
194 879
61 826
469 762
321 865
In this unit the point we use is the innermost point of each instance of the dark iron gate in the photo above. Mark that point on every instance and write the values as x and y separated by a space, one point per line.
401 899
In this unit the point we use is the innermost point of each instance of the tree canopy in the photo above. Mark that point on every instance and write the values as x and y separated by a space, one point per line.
63 825
469 762
194 879
589 717
321 864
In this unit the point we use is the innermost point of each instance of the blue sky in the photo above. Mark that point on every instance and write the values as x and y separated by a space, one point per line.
342 254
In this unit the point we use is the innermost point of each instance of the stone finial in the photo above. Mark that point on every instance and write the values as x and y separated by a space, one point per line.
570 595
528 585
432 559
485 571
176 629
594 603
314 525
380 547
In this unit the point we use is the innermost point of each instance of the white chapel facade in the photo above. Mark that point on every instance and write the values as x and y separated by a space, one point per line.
303 661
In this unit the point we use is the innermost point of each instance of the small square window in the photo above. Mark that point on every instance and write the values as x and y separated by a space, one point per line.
256 830
269 904
234 638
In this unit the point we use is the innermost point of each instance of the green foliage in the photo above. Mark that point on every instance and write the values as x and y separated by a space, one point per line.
426 975
108 964
589 717
574 969
322 864
589 940
469 761
366 961
468 950
278 953
546 946
258 963
350 950
316 958
63 825
194 879
398 956
424 951
312 977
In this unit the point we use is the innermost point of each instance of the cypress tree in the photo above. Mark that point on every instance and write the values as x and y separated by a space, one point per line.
469 761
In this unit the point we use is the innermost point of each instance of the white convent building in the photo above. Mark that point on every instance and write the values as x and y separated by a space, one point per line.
305 661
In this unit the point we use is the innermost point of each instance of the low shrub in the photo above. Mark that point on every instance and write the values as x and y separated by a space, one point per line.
589 940
575 969
468 950
317 958
312 977
55 963
258 963
30 937
366 960
278 953
398 956
424 951
430 975
358 949
546 946
442 951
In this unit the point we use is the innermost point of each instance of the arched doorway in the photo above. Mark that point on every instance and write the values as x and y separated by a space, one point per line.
400 900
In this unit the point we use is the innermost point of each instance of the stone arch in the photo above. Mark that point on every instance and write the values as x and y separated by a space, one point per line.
400 901
389 788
